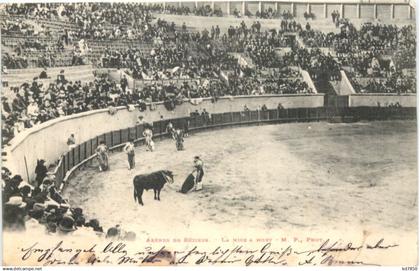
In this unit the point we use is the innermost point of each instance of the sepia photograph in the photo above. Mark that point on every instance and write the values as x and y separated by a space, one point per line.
209 133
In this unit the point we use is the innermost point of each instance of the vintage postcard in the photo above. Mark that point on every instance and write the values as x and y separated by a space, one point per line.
224 133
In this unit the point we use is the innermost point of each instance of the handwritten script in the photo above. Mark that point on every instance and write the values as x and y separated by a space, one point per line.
330 252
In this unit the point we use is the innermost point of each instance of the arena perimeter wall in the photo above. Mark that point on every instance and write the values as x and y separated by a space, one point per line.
405 100
48 140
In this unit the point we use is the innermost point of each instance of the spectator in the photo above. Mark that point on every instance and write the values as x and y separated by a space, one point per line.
40 171
43 74
66 225
124 83
71 142
14 214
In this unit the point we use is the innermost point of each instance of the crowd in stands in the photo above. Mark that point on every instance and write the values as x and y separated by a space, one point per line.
13 61
16 27
168 62
314 38
40 208
290 26
375 38
261 53
271 81
38 11
36 103
267 14
204 10
262 86
180 65
318 64
397 83
201 58
42 58
243 38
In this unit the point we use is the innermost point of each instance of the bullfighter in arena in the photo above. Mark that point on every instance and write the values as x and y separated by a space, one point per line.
129 150
199 169
148 135
171 130
194 179
179 137
102 156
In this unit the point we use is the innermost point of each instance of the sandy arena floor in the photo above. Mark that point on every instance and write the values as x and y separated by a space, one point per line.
307 176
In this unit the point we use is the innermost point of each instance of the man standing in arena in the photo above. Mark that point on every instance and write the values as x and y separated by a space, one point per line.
170 130
124 83
102 156
198 168
129 150
179 138
148 138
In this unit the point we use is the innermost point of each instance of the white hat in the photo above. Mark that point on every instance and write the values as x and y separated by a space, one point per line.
16 201
22 184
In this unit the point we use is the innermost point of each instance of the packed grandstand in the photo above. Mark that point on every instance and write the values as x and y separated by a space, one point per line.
44 45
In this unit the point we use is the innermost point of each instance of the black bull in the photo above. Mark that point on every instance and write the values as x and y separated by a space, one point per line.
155 181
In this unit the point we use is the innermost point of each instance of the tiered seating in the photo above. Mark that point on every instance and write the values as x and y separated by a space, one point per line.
14 40
72 73
58 26
97 48
392 84
175 82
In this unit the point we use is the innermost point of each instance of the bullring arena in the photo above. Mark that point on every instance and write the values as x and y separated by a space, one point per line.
303 114
267 177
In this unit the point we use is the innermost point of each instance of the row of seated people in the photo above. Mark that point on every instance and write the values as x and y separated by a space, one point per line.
52 10
290 26
84 14
315 62
268 13
242 37
42 59
145 31
258 45
262 55
13 62
167 62
142 30
46 11
397 83
36 103
204 10
90 15
370 37
274 85
251 37
164 61
39 208
23 46
281 72
102 20
16 27
368 64
25 51
354 46
207 10
405 59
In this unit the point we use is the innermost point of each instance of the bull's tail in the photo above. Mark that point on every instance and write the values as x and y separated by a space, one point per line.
135 190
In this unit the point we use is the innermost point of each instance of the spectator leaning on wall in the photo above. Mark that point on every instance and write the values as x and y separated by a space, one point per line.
71 142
